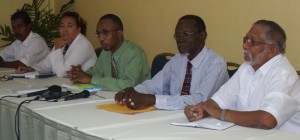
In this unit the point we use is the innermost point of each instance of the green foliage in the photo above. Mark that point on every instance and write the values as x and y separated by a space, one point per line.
43 21
7 35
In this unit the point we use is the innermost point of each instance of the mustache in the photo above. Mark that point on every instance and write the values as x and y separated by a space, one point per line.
250 56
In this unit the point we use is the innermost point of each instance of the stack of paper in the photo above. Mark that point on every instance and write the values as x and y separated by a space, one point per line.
209 123
114 107
21 91
80 87
88 87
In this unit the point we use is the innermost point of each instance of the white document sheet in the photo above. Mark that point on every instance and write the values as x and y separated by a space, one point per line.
209 123
21 91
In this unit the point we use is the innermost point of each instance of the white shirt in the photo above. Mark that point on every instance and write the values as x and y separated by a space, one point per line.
80 52
32 50
209 72
271 88
293 124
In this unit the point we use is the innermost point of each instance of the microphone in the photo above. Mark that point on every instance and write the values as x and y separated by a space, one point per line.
56 95
83 94
50 89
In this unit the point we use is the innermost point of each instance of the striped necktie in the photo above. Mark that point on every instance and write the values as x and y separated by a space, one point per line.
187 80
114 72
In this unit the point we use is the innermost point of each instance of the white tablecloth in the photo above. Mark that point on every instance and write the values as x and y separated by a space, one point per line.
81 120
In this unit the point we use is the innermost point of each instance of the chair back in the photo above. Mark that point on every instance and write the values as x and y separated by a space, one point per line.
232 68
159 62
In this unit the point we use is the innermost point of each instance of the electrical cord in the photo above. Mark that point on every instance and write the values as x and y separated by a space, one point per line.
17 113
9 96
17 116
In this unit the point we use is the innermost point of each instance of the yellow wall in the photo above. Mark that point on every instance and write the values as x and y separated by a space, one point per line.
151 23
8 7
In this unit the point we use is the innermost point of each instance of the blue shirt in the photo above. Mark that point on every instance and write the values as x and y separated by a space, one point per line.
209 72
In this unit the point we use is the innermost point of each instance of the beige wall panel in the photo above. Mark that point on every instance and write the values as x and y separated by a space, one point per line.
151 23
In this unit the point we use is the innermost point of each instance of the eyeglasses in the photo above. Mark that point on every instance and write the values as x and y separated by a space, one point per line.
6 78
185 34
251 42
104 33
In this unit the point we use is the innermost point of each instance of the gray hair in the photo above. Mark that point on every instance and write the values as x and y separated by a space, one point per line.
275 33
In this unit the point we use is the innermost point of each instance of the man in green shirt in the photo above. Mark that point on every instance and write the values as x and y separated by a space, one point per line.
122 63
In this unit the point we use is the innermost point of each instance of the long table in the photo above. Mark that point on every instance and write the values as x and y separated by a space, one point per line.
81 120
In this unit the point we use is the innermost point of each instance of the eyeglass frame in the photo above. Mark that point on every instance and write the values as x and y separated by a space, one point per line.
185 35
251 42
104 33
6 78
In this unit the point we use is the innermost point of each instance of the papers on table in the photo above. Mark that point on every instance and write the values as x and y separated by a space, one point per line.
32 75
88 87
25 90
80 87
114 107
209 123
28 89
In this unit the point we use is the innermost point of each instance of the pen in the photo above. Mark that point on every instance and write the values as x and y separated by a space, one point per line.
189 108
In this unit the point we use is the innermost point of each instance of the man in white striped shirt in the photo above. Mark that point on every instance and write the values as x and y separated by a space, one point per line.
165 90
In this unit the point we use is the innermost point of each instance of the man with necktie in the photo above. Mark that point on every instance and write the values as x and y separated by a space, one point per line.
189 77
121 64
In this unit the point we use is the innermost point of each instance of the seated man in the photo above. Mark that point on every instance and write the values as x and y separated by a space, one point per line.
122 63
189 77
28 49
262 93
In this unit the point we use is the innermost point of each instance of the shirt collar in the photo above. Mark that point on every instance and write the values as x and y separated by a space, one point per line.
267 66
117 54
27 40
199 58
75 40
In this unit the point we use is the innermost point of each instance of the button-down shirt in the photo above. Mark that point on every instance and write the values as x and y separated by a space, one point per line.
209 72
270 88
32 50
131 66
